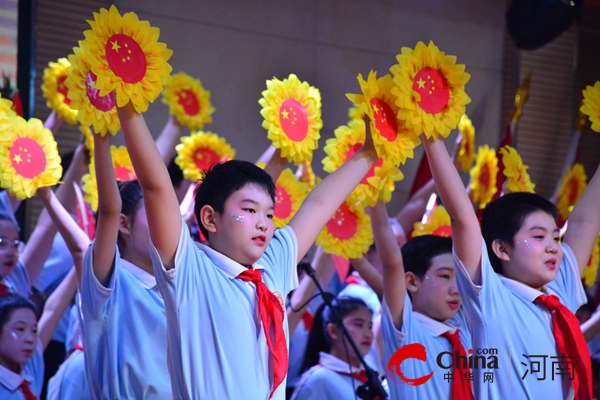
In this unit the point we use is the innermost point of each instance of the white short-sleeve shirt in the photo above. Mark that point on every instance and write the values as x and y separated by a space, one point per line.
419 328
125 333
501 315
70 382
217 346
329 380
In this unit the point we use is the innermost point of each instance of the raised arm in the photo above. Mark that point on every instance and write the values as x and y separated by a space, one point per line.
466 234
584 222
109 211
324 270
168 139
38 247
324 200
275 164
415 207
75 238
394 282
56 306
162 207
370 274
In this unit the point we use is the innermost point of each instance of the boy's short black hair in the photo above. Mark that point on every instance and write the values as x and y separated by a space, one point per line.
221 180
503 218
418 252
175 173
11 302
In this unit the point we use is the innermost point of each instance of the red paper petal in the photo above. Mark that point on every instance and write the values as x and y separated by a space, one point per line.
293 120
126 58
189 102
384 119
283 203
102 103
433 89
344 223
27 157
204 158
124 174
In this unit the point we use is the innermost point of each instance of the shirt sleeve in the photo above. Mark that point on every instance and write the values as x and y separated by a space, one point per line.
18 281
489 296
279 260
567 284
394 338
94 295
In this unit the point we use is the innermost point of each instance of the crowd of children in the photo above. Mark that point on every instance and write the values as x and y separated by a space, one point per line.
145 310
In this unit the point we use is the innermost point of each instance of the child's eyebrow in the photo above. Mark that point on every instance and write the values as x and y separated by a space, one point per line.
445 268
256 203
536 227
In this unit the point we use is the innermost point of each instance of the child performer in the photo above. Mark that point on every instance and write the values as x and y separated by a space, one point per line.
124 324
521 286
224 292
420 297
19 378
333 370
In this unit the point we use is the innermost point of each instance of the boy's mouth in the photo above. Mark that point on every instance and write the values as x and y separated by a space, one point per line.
454 304
551 263
260 240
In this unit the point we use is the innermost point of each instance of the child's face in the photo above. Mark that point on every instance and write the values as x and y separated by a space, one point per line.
436 295
360 327
536 255
245 228
8 258
18 339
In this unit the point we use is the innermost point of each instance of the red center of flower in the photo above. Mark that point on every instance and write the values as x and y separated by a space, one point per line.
343 224
283 203
385 119
293 120
124 174
572 192
189 102
433 89
27 157
204 158
102 103
126 58
371 172
443 231
484 176
62 89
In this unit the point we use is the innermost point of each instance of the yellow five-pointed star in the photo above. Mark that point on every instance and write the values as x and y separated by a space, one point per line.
17 158
285 114
375 109
115 46
199 156
421 83
92 84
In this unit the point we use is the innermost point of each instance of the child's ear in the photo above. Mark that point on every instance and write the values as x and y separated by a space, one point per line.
500 249
411 282
207 218
124 225
333 331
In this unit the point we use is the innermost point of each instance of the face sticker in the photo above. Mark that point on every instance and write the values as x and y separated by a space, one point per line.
431 280
238 218
524 243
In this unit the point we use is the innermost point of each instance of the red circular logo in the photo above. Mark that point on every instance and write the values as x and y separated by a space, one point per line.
126 58
293 120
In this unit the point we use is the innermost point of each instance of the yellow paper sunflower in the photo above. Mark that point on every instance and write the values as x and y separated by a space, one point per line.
573 184
292 114
29 156
348 233
290 195
515 171
591 105
438 223
93 109
188 101
55 91
430 89
483 176
127 58
466 147
591 269
393 140
123 172
378 183
199 151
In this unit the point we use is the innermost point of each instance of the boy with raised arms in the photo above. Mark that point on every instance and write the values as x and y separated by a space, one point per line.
520 286
222 298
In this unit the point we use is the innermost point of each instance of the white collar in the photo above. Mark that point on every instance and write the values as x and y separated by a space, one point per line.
230 267
11 380
521 289
148 281
335 364
437 328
